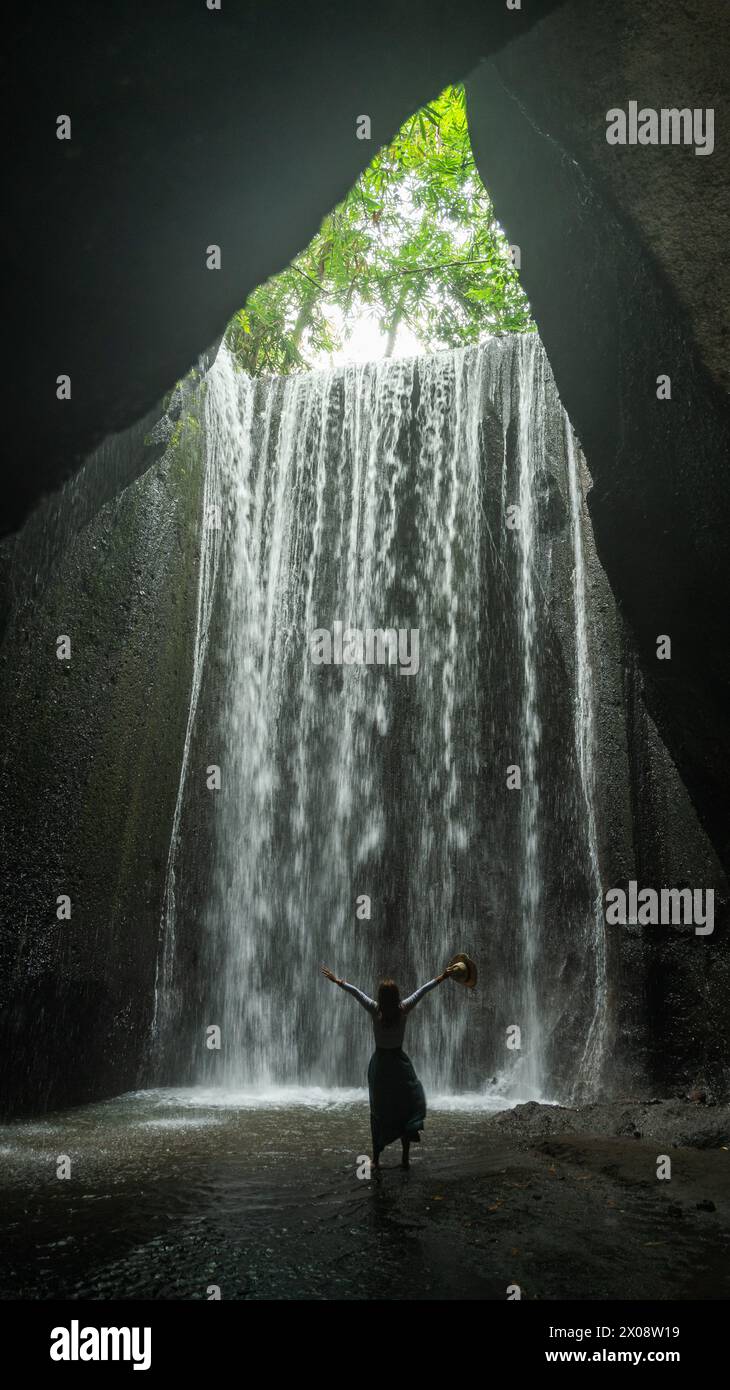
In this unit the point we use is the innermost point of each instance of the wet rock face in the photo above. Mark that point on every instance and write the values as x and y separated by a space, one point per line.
89 776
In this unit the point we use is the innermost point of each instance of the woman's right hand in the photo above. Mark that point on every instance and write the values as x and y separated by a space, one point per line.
328 975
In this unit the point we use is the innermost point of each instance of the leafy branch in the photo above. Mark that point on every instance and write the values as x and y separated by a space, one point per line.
417 211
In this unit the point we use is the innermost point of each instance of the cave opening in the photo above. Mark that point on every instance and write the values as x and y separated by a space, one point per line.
412 260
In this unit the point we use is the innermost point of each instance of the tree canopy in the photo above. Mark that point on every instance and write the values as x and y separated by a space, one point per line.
414 243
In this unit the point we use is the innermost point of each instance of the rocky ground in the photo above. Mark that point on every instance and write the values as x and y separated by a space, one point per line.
170 1198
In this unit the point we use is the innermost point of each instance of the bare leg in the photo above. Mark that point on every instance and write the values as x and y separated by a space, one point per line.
405 1160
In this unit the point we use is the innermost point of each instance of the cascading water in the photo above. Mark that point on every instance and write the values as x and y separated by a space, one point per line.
595 1046
167 997
530 446
367 815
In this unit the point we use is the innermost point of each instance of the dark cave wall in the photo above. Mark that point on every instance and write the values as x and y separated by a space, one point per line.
673 1015
668 987
89 777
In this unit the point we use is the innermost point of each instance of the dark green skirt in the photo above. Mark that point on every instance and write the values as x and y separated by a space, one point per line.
397 1098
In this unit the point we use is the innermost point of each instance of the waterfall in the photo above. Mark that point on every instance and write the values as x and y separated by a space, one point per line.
219 431
365 818
595 1045
530 446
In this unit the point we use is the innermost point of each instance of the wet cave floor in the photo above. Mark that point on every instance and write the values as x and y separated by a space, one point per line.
172 1193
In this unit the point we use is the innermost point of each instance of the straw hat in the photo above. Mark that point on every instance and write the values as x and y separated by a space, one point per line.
466 973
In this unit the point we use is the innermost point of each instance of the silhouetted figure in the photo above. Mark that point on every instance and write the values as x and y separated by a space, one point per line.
397 1098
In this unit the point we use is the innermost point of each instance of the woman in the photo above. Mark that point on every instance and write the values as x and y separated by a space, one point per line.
397 1099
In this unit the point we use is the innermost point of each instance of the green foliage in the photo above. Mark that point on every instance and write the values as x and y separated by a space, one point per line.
415 242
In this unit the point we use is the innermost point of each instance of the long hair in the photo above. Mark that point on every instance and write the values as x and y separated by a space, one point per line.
388 1002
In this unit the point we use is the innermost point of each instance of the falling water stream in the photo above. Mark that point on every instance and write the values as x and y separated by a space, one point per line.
367 814
530 440
165 999
596 1041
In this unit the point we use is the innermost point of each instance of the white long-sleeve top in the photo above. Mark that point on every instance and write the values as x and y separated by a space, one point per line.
393 1036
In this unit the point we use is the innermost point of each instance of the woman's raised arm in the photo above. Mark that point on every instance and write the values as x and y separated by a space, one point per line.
413 999
363 999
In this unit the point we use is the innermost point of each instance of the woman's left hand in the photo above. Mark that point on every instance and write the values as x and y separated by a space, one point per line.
328 974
